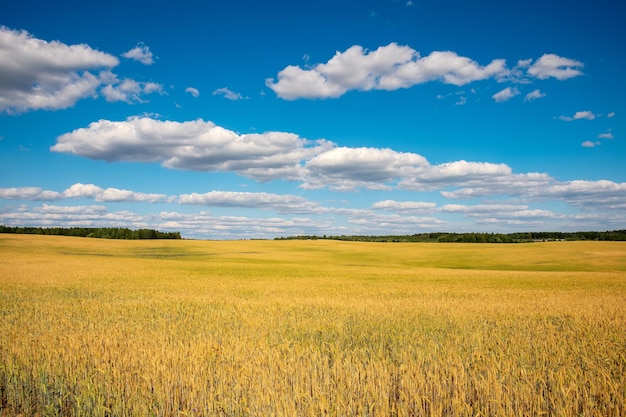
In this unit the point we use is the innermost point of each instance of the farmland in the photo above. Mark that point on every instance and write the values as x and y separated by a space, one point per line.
91 327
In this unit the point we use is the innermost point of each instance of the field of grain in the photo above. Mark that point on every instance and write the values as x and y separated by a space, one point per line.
311 328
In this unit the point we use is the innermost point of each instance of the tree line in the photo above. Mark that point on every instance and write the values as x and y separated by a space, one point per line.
96 232
615 235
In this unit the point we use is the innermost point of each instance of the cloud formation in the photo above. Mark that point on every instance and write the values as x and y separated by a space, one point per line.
39 75
393 66
226 93
36 74
551 65
505 95
387 68
534 95
195 145
193 91
140 53
281 203
579 115
79 190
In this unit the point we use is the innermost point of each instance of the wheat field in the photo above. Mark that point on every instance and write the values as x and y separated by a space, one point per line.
94 327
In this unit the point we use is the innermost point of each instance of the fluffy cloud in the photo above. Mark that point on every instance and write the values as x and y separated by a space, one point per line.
579 115
347 168
129 91
204 146
591 144
37 74
393 66
29 193
140 53
79 190
387 68
505 95
534 95
276 202
195 145
551 65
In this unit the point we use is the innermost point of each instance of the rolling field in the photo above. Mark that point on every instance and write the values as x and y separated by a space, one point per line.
94 327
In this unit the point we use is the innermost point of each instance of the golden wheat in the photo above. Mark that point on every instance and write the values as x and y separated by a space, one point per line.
310 328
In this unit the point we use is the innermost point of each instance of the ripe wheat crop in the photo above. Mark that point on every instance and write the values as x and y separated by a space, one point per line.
310 328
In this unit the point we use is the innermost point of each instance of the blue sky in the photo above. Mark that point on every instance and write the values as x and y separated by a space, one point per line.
229 120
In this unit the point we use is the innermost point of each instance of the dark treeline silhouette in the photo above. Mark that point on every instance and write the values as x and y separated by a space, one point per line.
97 232
479 237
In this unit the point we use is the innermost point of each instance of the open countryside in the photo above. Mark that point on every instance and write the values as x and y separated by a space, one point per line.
92 327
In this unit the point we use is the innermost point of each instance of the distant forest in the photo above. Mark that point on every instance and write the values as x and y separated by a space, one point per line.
479 237
97 232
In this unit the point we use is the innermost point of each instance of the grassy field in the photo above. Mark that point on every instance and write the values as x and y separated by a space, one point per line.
94 327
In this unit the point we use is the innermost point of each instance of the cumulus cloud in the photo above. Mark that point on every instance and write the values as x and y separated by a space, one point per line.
29 193
607 135
37 74
280 203
226 93
345 168
129 91
579 115
505 95
534 95
387 68
193 91
203 146
551 65
140 53
591 144
394 66
194 145
79 190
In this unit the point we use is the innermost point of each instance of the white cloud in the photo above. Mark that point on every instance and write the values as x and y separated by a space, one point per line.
129 91
345 168
405 206
579 115
387 68
231 95
193 91
534 95
29 193
140 53
280 203
607 135
611 114
203 146
502 184
591 144
79 190
505 94
551 65
590 195
37 74
455 173
195 145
